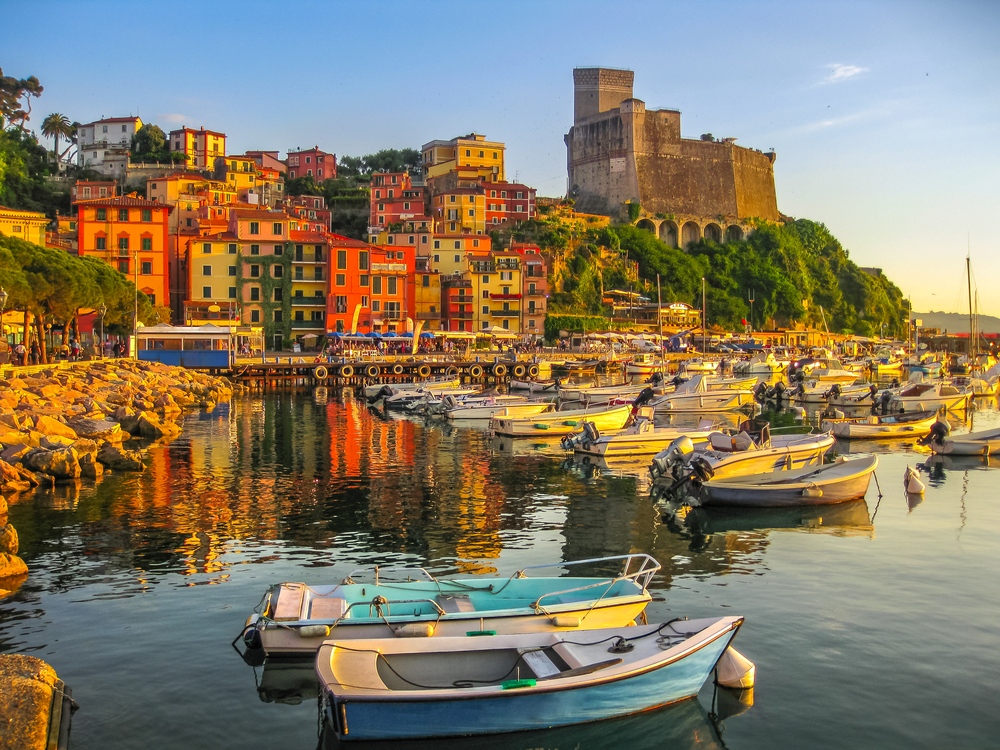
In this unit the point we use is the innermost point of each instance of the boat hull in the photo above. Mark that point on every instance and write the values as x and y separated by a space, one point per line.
551 425
818 492
722 400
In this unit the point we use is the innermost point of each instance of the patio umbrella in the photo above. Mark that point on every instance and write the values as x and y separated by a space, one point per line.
373 335
426 335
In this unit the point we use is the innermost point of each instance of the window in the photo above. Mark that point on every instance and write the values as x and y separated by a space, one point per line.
122 214
279 249
123 243
472 213
451 198
458 258
481 155
427 280
378 194
254 227
506 276
486 279
391 285
468 152
206 270
255 316
232 292
232 248
102 243
255 249
147 268
255 272
341 279
364 302
376 305
102 214
486 311
123 267
376 284
363 260
277 271
505 290
255 293
437 258
475 243
486 294
278 295
531 288
147 214
206 292
277 228
458 244
363 280
232 270
341 260
411 239
519 207
406 206
494 154
437 244
319 274
423 239
278 317
503 193
390 194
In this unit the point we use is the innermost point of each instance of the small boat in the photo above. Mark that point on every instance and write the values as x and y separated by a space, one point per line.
641 438
564 422
436 385
610 394
439 687
700 365
695 396
820 392
644 363
487 409
843 480
978 387
535 386
929 396
740 455
735 384
981 443
825 369
762 364
295 618
878 426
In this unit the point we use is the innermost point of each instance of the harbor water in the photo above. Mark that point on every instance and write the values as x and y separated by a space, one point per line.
874 623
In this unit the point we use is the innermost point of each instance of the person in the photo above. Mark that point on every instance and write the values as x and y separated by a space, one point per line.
36 353
74 351
20 352
108 348
118 349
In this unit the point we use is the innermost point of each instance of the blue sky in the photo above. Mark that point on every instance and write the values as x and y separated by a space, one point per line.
884 115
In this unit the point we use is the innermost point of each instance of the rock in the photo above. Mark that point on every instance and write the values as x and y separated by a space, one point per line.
11 437
27 686
8 474
10 420
98 429
85 447
49 426
55 442
13 454
8 540
58 464
3 506
152 428
120 459
90 467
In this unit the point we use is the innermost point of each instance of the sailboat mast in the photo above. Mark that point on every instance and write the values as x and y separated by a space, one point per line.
972 328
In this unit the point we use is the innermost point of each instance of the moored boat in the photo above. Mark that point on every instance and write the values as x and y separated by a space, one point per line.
295 618
843 480
695 396
980 443
642 438
399 689
562 422
882 426
929 396
489 408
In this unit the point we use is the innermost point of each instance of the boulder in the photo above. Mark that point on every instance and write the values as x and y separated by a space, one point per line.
98 429
3 506
120 459
11 437
85 447
10 565
8 540
55 442
152 428
27 687
12 454
90 467
49 426
11 420
58 464
130 422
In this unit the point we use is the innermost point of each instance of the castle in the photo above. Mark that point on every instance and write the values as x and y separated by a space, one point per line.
618 153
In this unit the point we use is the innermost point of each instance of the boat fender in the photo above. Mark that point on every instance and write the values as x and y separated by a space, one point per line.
320 372
372 371
519 371
499 370
476 371
397 369
812 491
451 372
346 371
414 630
734 670
424 371
515 684
251 637
565 621
541 426
533 371
571 423
314 631
912 483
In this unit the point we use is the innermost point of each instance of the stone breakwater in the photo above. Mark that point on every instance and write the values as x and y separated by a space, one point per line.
74 424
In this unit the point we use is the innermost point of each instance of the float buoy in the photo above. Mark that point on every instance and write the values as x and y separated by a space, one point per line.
912 483
519 371
425 371
346 371
372 371
452 372
320 373
533 371
476 371
499 370
397 369
734 670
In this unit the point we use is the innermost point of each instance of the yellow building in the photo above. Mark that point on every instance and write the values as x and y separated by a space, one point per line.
25 225
427 294
212 265
460 211
449 252
471 151
201 147
496 288
188 193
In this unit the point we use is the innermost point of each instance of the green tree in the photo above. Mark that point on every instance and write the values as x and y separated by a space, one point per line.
15 95
149 140
56 125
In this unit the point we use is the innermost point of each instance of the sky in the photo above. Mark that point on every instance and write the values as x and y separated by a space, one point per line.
884 115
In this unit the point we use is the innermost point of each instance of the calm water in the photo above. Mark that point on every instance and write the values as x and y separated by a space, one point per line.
873 624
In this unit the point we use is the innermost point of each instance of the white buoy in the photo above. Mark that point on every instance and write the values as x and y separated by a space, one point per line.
912 483
734 670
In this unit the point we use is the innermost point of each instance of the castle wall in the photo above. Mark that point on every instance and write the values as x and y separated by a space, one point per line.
754 176
601 164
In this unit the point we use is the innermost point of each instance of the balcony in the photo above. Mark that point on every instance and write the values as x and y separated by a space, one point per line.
505 313
298 279
454 315
390 315
309 301
428 316
310 258
462 300
505 296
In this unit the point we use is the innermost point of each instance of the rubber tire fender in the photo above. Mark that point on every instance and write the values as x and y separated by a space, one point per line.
320 372
519 371
346 371
476 371
424 371
499 370
372 371
397 369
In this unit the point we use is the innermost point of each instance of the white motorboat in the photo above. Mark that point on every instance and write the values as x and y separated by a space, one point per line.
639 439
562 422
695 396
489 408
535 386
823 369
762 363
820 392
929 397
699 365
436 385
843 480
644 363
882 427
980 443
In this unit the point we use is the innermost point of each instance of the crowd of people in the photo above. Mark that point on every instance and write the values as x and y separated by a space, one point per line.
22 354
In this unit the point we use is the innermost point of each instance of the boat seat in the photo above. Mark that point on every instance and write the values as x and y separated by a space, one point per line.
455 603
289 602
572 656
743 442
327 608
721 442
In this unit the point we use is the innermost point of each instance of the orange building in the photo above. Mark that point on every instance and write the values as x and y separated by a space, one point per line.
129 233
201 147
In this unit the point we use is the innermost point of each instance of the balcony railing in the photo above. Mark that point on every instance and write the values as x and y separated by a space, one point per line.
505 313
505 296
455 315
428 316
310 258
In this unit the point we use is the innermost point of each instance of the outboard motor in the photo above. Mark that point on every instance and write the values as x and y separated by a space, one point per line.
678 380
384 392
701 470
884 401
674 455
760 393
656 380
645 396
778 391
835 391
939 431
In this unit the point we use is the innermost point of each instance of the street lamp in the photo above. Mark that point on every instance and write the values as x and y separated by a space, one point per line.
101 312
3 304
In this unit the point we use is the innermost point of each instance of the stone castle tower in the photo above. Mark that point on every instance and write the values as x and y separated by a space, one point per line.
618 152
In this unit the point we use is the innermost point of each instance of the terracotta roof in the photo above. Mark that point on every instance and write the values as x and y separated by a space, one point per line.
112 119
337 240
259 213
302 235
124 201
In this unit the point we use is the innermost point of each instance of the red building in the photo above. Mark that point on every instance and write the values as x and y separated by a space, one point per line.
395 200
311 211
305 162
369 287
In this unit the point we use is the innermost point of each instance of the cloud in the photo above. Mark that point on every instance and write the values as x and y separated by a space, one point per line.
843 72
172 117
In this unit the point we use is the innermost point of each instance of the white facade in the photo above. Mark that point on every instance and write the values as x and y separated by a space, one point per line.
103 145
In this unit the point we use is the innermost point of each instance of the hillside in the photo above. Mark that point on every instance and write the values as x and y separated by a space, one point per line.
955 322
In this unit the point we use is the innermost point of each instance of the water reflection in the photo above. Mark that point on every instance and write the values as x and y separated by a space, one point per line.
840 519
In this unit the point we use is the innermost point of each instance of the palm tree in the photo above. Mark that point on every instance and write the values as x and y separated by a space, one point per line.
54 126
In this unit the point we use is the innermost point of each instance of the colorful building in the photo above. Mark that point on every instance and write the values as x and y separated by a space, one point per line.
310 283
24 225
426 295
496 287
534 289
129 233
313 162
103 145
472 154
201 147
395 200
311 211
84 190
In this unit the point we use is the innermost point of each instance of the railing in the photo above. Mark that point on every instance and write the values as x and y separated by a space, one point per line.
461 315
428 316
505 296
316 258
505 313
